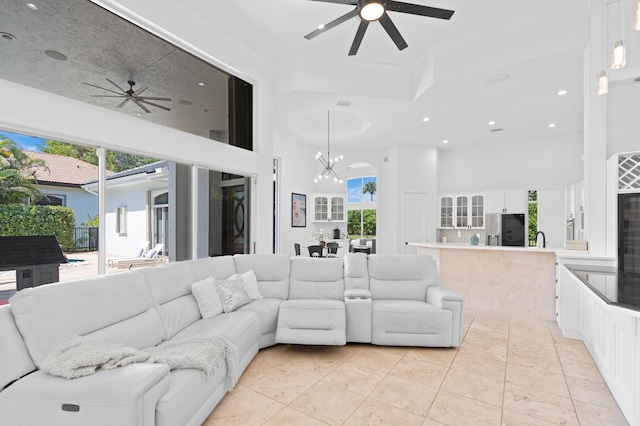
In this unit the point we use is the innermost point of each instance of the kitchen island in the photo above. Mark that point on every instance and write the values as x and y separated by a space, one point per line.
506 280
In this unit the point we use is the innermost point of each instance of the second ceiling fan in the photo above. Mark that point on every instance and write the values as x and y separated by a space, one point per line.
376 10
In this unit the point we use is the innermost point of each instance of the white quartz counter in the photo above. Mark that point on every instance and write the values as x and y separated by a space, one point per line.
558 251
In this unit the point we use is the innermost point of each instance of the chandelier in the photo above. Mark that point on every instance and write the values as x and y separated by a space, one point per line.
327 163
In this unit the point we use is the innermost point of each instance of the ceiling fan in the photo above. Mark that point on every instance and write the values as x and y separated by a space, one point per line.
376 10
131 95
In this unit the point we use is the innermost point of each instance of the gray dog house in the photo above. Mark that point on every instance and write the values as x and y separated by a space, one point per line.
36 259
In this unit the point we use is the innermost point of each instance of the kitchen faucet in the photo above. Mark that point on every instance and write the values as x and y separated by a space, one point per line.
544 239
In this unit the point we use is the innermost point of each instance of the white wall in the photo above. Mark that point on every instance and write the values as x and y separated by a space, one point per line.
550 163
408 168
551 216
127 243
84 204
623 110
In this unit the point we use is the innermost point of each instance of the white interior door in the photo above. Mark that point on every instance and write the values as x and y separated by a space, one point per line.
417 215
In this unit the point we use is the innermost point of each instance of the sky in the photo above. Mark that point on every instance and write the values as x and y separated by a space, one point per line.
27 143
354 190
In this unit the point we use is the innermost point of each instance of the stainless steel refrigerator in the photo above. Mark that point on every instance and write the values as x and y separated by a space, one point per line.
505 229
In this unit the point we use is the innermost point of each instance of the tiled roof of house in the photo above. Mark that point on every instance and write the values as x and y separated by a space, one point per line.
63 170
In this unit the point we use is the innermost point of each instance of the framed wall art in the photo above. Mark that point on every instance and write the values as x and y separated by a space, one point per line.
298 210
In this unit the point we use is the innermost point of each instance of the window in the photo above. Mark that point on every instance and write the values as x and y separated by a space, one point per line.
361 203
52 200
361 190
533 216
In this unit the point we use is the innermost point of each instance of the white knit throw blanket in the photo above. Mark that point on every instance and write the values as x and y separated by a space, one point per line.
203 353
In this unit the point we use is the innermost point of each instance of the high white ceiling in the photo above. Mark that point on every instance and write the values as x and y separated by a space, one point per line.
443 74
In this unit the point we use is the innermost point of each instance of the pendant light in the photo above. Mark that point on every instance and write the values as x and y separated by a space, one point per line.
619 53
603 83
603 79
328 163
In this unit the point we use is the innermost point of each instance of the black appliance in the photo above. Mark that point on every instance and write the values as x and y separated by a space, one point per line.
629 233
513 229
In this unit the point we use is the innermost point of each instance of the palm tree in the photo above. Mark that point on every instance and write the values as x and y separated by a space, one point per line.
369 187
17 174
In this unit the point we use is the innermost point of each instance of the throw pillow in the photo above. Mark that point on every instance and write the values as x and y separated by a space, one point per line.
232 294
150 254
250 283
207 297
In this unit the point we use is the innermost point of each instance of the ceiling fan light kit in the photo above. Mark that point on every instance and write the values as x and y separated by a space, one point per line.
371 10
376 10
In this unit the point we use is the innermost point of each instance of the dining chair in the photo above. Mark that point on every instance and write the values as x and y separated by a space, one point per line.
315 251
332 249
296 247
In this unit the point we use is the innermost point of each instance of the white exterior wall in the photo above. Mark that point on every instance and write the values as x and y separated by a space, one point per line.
84 204
134 199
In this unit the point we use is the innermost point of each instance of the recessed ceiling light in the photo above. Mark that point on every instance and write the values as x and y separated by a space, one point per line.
445 141
562 92
552 125
426 119
201 84
184 102
491 123
7 36
344 103
32 6
55 55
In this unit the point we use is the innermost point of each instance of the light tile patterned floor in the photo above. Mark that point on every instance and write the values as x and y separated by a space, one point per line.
508 372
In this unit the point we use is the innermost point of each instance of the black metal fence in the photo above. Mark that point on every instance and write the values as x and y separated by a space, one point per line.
85 239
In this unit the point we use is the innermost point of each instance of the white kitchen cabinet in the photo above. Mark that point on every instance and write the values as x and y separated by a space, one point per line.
462 211
611 333
328 208
446 211
512 201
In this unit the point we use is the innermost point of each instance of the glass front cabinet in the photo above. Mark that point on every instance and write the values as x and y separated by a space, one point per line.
462 211
329 208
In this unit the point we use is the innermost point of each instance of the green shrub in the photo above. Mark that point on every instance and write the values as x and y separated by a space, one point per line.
23 220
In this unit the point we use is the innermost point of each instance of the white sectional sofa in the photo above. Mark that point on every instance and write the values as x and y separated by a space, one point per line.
381 299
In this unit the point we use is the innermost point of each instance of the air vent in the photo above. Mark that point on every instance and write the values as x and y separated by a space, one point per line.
496 130
497 79
344 103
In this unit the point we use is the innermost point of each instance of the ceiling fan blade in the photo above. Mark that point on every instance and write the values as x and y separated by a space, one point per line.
151 103
108 96
142 106
332 24
140 90
124 102
416 9
392 30
153 98
102 88
110 81
358 39
351 2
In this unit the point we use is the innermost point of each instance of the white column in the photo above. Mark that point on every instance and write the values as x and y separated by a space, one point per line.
102 210
595 130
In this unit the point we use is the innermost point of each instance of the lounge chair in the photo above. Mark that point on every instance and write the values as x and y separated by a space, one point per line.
151 258
138 254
